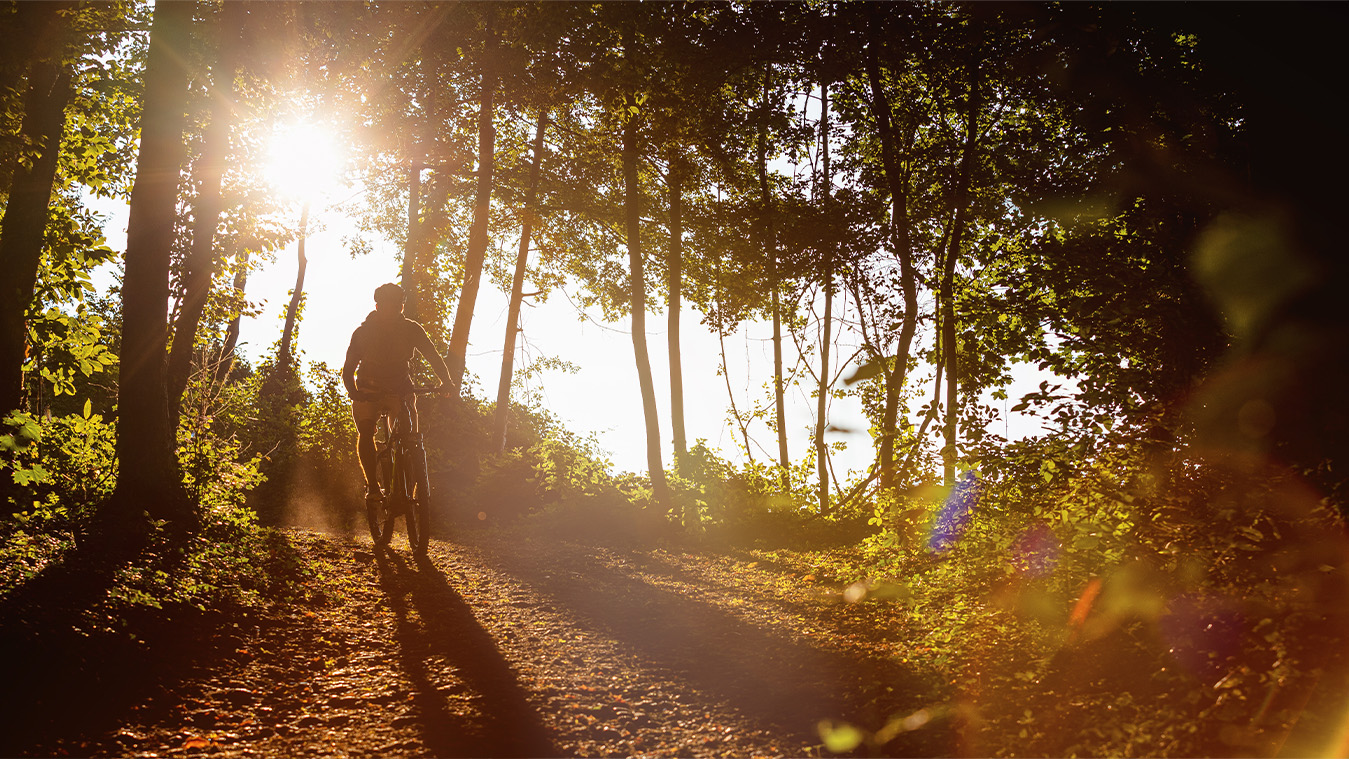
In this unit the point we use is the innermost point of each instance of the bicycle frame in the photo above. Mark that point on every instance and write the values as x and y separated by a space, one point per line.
402 471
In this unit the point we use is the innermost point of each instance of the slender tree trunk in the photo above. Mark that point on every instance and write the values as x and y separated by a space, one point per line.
675 282
822 400
425 204
421 302
949 346
771 256
226 362
931 414
903 249
201 262
726 369
822 394
518 287
30 192
407 274
477 235
779 393
730 395
637 296
283 359
948 339
148 476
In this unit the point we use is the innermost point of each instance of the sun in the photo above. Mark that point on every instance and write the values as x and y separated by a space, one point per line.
303 161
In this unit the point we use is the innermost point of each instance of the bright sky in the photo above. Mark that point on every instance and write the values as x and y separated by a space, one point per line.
602 397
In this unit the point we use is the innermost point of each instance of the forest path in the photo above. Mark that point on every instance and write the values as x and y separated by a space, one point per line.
520 645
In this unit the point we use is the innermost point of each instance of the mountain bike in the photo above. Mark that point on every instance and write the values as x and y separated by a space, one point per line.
401 471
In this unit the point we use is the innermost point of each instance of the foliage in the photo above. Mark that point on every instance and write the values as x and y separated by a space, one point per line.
63 466
67 339
232 563
1057 585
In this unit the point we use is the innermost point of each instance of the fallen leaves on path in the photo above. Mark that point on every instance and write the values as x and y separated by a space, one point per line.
504 645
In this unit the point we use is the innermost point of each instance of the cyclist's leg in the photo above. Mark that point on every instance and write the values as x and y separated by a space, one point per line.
366 415
410 413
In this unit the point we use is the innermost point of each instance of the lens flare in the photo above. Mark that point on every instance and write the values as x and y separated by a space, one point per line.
1082 609
955 515
1339 742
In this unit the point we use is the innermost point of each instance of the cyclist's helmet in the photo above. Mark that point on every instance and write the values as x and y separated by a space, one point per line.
389 293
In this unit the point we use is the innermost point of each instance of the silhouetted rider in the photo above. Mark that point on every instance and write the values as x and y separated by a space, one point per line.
378 375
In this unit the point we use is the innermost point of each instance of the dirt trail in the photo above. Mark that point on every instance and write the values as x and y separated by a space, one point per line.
519 646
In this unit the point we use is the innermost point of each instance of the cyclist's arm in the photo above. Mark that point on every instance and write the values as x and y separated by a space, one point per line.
349 368
432 356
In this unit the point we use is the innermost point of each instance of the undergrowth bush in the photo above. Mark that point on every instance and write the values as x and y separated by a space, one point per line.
1161 602
60 469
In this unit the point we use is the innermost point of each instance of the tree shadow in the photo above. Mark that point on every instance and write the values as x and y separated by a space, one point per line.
783 682
477 707
76 665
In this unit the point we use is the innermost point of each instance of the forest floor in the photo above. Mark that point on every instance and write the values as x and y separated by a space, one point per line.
515 643
551 638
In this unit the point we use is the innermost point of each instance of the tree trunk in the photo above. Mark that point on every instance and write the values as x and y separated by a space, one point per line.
637 298
922 428
226 362
822 393
148 476
902 244
822 400
421 304
675 282
283 356
518 288
949 347
771 256
477 235
25 217
425 204
726 369
730 395
201 261
412 245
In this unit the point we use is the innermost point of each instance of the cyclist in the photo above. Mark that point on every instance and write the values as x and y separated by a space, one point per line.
377 374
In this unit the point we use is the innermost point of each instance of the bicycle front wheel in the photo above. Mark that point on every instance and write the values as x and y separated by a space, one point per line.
410 516
419 510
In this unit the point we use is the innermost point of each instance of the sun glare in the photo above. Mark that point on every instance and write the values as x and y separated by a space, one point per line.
303 161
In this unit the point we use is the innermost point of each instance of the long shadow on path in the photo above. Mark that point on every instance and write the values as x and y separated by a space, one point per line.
468 699
766 675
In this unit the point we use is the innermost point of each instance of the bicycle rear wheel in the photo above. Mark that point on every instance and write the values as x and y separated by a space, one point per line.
377 514
399 500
